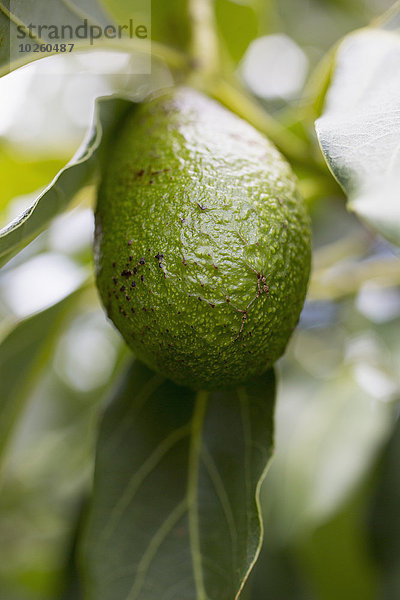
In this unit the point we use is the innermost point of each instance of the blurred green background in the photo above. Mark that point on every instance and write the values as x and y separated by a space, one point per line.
331 497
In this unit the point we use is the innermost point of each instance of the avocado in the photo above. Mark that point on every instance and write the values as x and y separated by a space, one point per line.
202 241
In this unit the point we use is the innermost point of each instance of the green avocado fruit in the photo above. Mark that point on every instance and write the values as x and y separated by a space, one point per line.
202 242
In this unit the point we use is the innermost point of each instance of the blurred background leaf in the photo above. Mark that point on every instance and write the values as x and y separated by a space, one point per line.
23 355
237 24
385 518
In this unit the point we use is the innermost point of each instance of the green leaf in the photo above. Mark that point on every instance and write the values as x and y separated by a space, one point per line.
175 509
16 14
170 23
23 355
359 130
385 518
238 25
69 180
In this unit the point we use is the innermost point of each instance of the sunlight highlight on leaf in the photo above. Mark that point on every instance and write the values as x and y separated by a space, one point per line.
69 180
359 131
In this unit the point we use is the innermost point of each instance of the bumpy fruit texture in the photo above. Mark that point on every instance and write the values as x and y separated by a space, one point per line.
202 243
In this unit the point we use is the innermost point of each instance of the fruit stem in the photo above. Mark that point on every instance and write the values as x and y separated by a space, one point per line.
204 44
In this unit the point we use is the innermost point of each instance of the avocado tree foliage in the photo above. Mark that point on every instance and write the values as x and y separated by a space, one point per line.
173 511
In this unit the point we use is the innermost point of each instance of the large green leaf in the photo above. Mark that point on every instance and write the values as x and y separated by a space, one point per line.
169 29
17 15
359 131
175 503
69 180
23 355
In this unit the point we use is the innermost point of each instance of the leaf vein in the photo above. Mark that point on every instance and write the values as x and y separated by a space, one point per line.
223 498
153 547
192 491
133 485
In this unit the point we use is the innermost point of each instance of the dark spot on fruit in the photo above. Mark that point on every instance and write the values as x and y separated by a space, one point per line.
131 258
142 261
159 257
140 173
126 273
128 298
114 264
122 288
215 266
134 270
130 242
115 280
199 298
144 308
142 278
227 299
212 305
133 311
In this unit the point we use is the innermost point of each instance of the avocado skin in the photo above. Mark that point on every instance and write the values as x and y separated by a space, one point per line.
202 242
